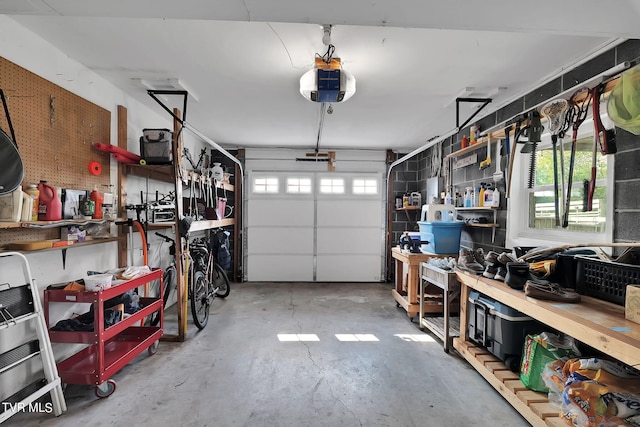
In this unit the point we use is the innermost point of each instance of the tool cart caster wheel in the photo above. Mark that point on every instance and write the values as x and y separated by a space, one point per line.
153 348
105 389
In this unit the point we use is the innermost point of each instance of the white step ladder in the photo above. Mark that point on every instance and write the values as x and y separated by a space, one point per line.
21 303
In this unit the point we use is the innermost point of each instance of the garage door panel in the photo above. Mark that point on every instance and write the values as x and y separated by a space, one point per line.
349 268
361 240
278 212
280 240
350 212
276 268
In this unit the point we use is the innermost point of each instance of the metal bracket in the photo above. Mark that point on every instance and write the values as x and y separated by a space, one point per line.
152 93
484 101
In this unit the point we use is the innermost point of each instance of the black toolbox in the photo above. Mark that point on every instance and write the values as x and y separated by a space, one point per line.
499 328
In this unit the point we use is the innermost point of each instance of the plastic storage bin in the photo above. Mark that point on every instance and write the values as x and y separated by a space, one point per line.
606 280
499 328
443 236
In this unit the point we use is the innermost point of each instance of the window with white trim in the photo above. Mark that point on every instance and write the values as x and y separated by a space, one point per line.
365 186
332 185
299 185
542 203
265 185
531 218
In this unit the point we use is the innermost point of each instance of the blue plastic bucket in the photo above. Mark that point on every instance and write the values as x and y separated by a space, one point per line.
443 236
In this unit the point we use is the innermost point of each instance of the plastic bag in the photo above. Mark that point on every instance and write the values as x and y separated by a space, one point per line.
540 350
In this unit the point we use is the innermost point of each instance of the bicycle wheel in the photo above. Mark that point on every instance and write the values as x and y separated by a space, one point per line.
169 279
199 300
221 281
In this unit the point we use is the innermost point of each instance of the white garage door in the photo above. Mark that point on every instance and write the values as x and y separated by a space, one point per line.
317 226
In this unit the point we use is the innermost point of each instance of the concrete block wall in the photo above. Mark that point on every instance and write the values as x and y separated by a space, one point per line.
627 166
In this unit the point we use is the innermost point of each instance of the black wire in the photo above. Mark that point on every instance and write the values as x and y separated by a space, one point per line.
328 55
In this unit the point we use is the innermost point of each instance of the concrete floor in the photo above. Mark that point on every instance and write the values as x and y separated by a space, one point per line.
236 372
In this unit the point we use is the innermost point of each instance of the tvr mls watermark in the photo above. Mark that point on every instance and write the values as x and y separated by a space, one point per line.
40 407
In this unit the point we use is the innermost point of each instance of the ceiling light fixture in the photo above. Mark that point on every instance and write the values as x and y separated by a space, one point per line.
327 81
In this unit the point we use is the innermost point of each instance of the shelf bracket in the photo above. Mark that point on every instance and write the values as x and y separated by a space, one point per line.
483 101
186 125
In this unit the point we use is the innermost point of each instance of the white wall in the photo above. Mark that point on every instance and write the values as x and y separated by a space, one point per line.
38 56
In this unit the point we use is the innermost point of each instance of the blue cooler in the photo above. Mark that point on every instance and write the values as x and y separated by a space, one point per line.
443 236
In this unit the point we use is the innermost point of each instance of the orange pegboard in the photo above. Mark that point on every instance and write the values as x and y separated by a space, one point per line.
54 131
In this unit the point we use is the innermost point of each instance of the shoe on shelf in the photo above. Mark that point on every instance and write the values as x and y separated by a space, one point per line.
550 291
490 271
491 257
501 274
543 268
478 254
506 257
467 261
517 274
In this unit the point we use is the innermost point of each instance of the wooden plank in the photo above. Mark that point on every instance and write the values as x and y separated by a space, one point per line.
515 386
530 396
510 397
121 185
495 366
506 375
545 410
486 358
556 422
477 351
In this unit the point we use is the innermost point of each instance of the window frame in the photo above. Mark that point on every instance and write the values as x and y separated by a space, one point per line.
265 177
518 231
366 180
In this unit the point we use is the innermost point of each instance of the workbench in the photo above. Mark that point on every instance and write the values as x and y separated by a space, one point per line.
407 282
597 323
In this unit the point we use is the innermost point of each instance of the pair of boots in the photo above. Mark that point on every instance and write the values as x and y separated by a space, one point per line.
470 260
496 265
520 277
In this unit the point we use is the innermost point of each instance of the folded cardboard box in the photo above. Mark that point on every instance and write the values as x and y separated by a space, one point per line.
632 303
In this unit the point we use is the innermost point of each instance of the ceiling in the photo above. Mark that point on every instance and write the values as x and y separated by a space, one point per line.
241 60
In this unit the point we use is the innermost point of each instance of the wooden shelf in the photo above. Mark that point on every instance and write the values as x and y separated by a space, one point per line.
75 245
595 322
207 224
482 225
158 172
409 208
479 208
533 406
51 224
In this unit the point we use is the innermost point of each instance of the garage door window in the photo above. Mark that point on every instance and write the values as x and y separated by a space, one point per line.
299 185
365 186
332 185
265 185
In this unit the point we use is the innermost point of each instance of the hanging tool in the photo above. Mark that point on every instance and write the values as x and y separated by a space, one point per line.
516 135
578 114
603 138
507 145
498 176
554 112
487 162
534 133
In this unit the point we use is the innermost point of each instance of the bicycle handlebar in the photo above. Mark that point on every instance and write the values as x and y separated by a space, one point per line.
166 238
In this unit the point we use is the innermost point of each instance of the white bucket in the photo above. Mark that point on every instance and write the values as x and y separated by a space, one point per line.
98 282
435 212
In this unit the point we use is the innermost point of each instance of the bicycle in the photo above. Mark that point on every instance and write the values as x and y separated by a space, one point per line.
206 280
